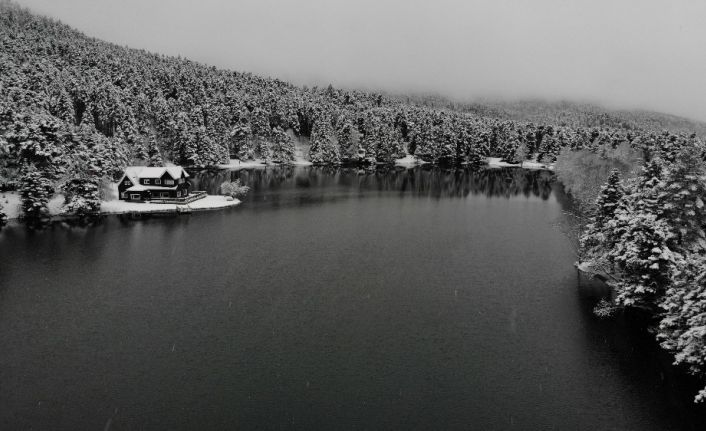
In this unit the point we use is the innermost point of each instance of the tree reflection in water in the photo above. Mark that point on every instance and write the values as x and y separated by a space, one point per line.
325 183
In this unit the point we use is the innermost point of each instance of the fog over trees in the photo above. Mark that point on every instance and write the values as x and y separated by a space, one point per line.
628 54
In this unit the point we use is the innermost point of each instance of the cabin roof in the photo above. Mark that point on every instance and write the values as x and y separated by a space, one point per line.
134 173
141 188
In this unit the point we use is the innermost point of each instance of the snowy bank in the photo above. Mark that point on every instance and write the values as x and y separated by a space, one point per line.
409 160
235 164
495 162
301 162
210 202
11 203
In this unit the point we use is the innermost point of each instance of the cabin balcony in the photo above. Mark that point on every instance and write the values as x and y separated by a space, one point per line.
193 196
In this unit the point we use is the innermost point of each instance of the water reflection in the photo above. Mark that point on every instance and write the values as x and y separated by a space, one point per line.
431 182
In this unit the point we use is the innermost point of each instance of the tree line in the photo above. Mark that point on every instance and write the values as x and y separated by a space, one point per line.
74 111
646 233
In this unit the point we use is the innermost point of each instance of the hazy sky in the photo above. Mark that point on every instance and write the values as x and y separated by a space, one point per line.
641 53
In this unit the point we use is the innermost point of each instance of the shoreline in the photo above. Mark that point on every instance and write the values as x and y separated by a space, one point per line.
409 161
11 206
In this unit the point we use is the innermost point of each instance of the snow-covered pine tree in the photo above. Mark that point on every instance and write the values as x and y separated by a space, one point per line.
641 257
683 197
597 241
349 140
82 197
241 142
324 148
682 327
35 191
282 146
154 156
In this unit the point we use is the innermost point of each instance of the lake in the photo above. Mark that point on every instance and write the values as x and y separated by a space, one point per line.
330 299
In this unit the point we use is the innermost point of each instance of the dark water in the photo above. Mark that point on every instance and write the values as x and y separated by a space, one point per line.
331 299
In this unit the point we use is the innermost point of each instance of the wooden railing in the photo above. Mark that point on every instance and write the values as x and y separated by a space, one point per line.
193 196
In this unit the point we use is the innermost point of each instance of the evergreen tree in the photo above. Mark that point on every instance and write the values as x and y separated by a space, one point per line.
282 146
324 148
35 191
349 141
682 328
82 197
683 198
154 157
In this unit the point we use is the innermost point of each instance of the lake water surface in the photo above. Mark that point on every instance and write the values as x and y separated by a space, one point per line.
330 299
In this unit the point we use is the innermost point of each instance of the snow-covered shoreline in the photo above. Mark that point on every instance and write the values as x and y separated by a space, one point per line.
210 202
11 204
409 161
235 164
495 162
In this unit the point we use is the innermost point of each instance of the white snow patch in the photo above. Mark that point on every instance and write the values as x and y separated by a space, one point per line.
209 202
235 164
298 161
409 160
12 204
495 162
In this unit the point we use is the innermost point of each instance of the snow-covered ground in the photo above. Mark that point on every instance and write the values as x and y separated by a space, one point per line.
301 162
10 202
494 162
207 203
409 160
236 164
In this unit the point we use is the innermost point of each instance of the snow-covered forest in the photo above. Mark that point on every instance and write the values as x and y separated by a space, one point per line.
74 111
646 233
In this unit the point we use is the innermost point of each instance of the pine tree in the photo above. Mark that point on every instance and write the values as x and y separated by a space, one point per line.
349 141
683 197
35 191
282 146
242 142
324 148
607 201
597 240
82 197
682 328
154 157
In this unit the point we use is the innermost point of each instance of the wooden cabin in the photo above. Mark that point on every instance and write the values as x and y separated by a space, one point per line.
142 183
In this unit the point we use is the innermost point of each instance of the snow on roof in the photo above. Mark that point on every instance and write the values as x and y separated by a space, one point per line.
137 172
141 188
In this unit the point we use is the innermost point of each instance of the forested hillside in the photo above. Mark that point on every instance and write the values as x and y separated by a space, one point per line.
567 113
75 110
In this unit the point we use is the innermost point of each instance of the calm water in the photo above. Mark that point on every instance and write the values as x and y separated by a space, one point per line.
331 299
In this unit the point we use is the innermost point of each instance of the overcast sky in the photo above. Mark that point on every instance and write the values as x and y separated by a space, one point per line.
642 53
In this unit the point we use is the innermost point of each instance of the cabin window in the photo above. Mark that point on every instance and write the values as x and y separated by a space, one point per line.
124 195
135 196
164 194
127 183
169 182
181 180
158 181
178 193
147 180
